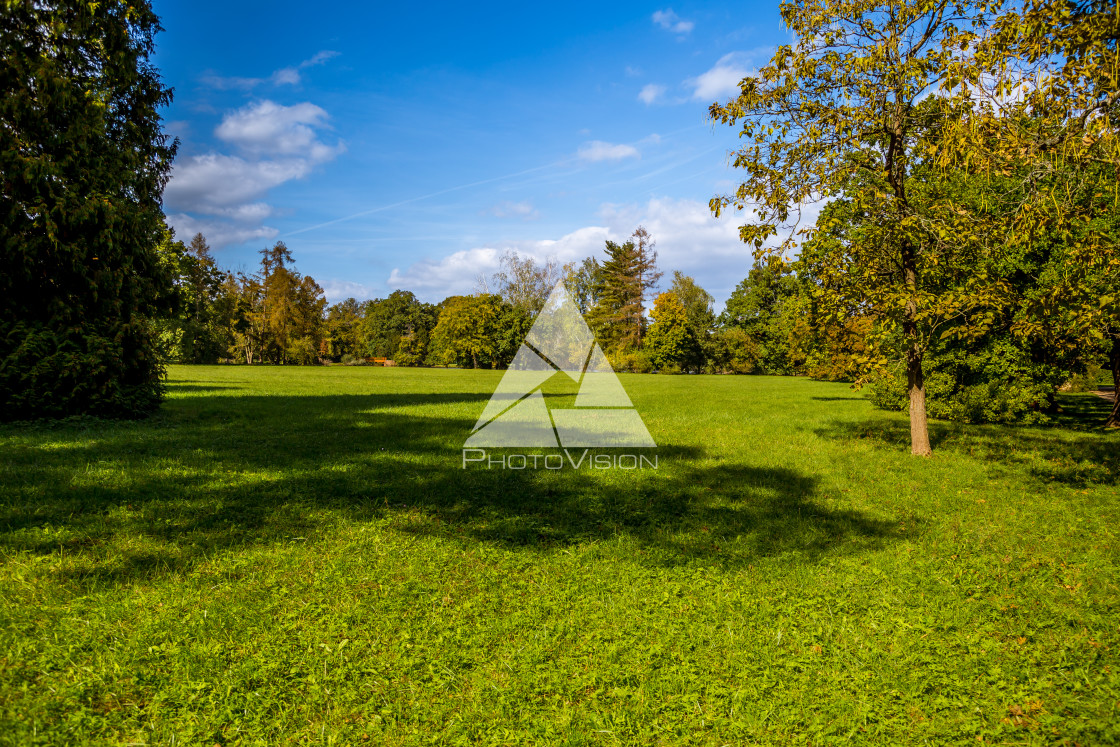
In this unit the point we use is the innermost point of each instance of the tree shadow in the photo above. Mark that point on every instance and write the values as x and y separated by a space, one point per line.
177 387
1073 449
140 500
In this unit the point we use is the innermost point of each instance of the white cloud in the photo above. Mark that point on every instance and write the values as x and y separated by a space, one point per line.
688 239
285 76
277 144
218 233
669 20
597 150
455 274
339 290
650 93
507 209
268 128
215 183
721 80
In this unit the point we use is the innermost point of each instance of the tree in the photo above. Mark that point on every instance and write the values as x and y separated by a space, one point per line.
645 269
390 321
583 283
758 306
697 304
850 108
204 338
343 322
1044 94
627 274
83 163
671 342
523 283
466 331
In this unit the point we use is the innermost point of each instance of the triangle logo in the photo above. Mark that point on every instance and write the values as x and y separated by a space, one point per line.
560 342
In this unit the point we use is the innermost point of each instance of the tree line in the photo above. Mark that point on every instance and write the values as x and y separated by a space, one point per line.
773 323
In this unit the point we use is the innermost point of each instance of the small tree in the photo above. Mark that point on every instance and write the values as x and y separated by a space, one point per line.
671 342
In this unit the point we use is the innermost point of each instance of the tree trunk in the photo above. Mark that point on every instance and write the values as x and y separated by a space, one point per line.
919 426
915 377
1114 417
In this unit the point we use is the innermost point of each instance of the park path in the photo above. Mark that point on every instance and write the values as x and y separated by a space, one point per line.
1108 392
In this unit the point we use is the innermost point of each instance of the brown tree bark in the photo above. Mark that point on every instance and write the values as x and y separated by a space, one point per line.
915 376
1114 417
919 424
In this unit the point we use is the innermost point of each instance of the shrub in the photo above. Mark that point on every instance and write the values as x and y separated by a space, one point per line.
631 361
1088 381
997 383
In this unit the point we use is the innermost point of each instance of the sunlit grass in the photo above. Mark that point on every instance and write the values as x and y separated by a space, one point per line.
289 554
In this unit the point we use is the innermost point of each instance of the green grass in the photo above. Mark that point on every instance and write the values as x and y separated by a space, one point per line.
295 555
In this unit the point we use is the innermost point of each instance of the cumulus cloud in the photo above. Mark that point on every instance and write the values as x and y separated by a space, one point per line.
216 183
268 128
721 80
275 144
669 20
285 76
455 274
336 290
650 93
597 150
217 232
688 239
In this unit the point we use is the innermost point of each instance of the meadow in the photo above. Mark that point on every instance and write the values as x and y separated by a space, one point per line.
296 555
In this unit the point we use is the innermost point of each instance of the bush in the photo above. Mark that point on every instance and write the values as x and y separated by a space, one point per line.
732 350
995 384
631 361
1088 381
303 351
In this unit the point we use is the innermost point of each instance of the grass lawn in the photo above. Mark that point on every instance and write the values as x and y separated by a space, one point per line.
296 555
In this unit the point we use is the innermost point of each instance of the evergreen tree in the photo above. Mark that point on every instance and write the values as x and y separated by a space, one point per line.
84 162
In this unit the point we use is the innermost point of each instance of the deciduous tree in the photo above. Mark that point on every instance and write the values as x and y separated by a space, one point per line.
850 108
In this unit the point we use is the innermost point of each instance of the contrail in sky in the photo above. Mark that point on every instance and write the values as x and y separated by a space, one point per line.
382 208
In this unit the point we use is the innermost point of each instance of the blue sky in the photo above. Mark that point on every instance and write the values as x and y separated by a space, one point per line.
404 146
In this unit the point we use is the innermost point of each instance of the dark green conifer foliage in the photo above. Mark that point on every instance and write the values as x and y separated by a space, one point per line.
83 162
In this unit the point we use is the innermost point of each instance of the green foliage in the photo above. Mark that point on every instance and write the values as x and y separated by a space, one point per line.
343 329
84 162
732 350
758 307
624 277
388 322
476 331
631 361
996 382
303 351
671 343
295 555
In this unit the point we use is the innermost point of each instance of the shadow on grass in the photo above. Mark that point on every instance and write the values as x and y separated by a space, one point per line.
217 473
177 387
1074 449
